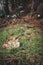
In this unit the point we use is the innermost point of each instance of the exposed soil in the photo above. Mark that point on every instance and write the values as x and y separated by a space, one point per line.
26 19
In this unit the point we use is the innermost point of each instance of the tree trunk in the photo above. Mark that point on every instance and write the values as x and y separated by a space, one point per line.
6 8
12 4
32 7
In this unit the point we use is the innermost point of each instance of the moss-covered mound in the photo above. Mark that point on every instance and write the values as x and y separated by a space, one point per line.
30 51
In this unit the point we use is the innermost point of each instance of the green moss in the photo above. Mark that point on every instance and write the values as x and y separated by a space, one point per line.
31 40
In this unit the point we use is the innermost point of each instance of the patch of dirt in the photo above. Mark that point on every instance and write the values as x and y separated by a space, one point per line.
26 19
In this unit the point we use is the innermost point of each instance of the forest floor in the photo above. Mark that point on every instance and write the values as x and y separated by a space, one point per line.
26 19
30 34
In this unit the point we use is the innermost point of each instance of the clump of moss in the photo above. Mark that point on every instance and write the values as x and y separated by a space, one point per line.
31 44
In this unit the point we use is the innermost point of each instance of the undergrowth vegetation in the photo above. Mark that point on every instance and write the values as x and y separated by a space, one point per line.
30 51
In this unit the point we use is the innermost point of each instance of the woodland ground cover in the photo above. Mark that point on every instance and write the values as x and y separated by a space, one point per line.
31 44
